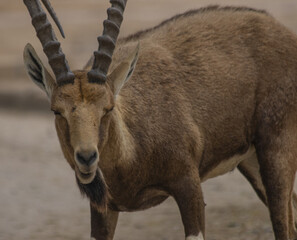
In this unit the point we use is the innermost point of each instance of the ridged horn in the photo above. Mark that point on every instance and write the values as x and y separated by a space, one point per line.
49 42
107 42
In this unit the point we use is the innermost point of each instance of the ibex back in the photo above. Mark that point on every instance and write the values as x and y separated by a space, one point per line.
190 99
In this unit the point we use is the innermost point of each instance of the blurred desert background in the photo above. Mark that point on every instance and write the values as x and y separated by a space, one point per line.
38 194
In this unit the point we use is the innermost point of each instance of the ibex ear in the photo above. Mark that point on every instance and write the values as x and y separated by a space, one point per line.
37 72
123 72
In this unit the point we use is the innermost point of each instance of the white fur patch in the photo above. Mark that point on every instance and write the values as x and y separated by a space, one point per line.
199 237
230 164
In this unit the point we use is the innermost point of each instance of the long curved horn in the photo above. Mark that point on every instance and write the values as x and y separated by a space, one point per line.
47 37
107 42
51 11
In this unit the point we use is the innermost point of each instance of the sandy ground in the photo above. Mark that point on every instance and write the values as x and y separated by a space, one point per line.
38 195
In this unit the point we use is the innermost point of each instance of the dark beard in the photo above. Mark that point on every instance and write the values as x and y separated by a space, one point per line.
96 191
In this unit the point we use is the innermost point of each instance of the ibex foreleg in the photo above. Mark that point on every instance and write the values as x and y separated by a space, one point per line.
103 224
188 194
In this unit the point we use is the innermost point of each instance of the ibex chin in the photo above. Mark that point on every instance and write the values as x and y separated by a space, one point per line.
167 108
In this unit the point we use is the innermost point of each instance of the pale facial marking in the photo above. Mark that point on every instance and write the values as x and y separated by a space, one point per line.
199 237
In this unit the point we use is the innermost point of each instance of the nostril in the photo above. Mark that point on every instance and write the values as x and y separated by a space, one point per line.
80 158
86 158
93 158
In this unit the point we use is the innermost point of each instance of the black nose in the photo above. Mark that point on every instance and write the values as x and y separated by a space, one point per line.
86 157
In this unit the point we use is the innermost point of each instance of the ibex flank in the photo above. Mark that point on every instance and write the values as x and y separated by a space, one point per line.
155 114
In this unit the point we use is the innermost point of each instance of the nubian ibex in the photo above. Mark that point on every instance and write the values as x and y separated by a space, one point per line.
159 112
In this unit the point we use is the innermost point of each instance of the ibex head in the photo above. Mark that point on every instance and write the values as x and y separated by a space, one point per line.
83 100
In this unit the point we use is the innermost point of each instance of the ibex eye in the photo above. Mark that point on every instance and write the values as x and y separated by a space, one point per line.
108 110
56 112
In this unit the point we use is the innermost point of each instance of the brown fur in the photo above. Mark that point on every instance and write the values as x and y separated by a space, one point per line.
208 85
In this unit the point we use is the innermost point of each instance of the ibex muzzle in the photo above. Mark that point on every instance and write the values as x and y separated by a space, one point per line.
84 140
159 112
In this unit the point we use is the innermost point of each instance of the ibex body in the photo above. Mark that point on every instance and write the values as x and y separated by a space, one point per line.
193 98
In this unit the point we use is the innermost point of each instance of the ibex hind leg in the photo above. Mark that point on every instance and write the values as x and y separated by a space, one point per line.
294 200
250 169
277 151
